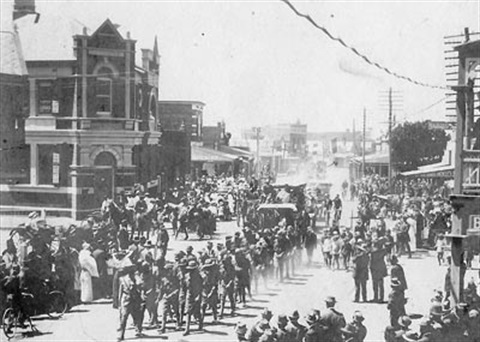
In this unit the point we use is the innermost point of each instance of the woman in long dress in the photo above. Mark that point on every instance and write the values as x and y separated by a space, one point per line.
412 232
89 270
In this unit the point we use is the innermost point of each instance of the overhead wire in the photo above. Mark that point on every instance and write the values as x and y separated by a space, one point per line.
356 52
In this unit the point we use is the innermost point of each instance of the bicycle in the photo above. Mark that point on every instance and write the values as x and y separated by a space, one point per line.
48 301
14 317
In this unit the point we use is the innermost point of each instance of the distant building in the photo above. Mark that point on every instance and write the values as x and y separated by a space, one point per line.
92 128
182 124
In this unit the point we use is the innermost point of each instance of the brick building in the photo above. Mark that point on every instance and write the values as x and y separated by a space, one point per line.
92 128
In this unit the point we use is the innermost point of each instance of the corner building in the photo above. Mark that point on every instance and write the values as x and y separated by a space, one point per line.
92 128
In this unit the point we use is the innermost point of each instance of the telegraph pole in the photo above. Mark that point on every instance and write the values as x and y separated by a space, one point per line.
257 131
364 140
390 115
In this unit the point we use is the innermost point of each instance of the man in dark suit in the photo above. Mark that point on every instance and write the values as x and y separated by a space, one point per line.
378 269
360 271
333 320
397 272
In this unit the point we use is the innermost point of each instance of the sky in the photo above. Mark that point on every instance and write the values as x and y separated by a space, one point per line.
255 62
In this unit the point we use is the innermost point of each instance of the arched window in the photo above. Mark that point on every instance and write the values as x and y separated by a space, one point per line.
104 91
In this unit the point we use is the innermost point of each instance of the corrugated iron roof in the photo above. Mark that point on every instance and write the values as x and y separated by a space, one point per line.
11 55
51 39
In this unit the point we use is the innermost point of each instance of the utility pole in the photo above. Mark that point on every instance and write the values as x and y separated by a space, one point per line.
364 140
390 116
257 131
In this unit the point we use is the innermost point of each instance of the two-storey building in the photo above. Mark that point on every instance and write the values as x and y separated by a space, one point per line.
92 128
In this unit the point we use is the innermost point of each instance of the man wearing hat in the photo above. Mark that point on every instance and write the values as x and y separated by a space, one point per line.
193 281
129 300
360 261
315 331
180 273
397 272
257 329
359 329
227 284
241 331
378 270
242 275
296 331
396 302
333 320
210 287
169 289
281 333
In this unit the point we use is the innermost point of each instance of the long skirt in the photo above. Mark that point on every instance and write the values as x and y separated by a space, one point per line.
86 287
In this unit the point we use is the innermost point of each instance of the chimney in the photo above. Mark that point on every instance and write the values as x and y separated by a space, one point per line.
22 8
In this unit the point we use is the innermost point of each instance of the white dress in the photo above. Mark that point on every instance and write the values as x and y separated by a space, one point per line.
412 233
89 270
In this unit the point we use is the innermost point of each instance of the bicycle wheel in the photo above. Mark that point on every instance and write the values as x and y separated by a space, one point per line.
10 323
57 305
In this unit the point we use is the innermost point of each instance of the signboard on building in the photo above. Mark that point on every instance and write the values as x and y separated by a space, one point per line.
474 225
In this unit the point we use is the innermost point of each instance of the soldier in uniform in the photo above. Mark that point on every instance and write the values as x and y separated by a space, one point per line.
281 334
227 285
169 290
296 331
129 300
193 282
315 331
242 275
210 287
179 271
333 320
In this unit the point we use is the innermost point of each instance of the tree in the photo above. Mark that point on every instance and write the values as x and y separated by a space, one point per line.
415 144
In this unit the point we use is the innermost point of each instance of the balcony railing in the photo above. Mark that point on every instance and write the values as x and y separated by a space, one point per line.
47 123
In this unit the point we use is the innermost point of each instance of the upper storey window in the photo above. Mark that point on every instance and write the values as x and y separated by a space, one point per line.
104 91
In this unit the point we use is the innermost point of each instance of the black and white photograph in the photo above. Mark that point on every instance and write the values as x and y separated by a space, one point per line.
257 171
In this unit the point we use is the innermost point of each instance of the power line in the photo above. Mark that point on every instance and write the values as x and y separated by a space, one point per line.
356 52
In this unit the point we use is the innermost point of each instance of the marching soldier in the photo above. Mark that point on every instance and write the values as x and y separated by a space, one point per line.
227 285
169 290
296 331
129 300
210 288
193 282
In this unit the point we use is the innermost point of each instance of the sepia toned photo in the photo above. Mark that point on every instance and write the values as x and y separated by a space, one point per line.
259 171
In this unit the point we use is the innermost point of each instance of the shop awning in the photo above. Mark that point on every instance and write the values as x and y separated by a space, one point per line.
377 158
208 155
236 152
445 171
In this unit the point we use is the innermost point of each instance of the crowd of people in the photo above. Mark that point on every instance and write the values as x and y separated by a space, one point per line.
121 254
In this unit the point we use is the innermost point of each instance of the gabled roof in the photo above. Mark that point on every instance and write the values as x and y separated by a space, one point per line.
108 28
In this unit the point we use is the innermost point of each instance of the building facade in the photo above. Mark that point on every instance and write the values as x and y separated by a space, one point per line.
92 128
